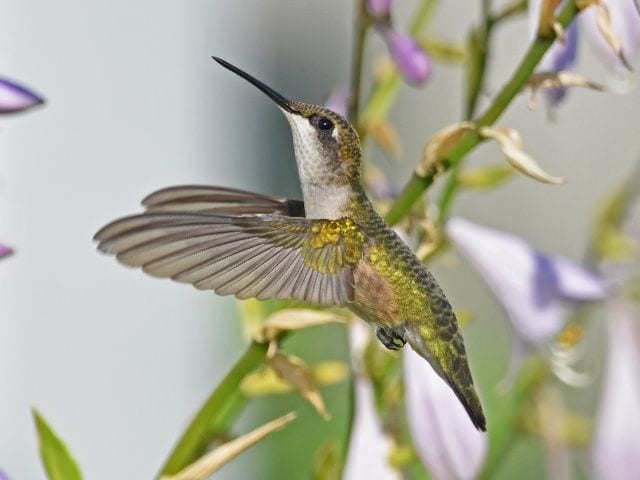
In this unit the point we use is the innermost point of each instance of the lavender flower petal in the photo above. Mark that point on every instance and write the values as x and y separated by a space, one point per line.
338 102
16 98
616 446
446 442
369 447
5 251
575 283
412 61
530 285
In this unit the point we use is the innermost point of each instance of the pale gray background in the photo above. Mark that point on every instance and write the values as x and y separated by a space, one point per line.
118 362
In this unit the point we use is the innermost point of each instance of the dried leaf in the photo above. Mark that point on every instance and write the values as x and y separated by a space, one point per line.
603 22
387 138
440 145
212 462
561 79
264 382
267 381
548 17
511 145
294 319
295 372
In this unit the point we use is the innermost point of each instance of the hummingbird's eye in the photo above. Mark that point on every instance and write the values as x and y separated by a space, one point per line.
325 124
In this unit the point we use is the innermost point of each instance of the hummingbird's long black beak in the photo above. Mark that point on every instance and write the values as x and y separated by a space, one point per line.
275 96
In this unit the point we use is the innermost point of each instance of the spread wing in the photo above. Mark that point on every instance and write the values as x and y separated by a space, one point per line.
207 199
259 256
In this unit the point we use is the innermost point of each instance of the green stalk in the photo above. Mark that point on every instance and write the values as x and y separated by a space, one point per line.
363 23
217 413
478 45
418 184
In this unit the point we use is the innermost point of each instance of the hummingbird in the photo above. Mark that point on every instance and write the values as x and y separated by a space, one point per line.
331 249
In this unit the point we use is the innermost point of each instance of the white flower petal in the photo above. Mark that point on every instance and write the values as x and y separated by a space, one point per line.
447 443
616 448
369 447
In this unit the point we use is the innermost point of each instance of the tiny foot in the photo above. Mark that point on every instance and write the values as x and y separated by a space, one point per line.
390 338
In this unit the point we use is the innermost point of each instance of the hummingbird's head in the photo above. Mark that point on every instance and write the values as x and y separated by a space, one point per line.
326 145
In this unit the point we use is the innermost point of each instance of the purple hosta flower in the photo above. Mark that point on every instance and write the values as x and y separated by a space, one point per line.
616 445
16 98
561 56
379 8
5 251
410 58
446 441
531 286
338 102
369 447
625 25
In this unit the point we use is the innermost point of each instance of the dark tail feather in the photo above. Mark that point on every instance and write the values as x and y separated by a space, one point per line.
458 378
470 402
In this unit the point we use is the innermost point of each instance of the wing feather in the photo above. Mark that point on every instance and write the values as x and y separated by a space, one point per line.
261 256
208 199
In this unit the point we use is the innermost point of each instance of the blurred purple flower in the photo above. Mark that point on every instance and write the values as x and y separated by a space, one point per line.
559 57
338 102
16 98
616 446
5 251
379 8
3 476
446 442
410 58
625 24
369 447
530 285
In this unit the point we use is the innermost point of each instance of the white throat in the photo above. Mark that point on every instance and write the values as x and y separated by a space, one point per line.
323 198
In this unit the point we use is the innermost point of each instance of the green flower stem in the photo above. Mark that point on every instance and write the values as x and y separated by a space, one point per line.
479 47
418 184
218 412
477 68
363 22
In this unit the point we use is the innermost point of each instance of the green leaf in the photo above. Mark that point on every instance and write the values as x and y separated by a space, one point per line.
57 460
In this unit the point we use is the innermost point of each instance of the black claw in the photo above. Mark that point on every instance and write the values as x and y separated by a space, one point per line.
391 339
